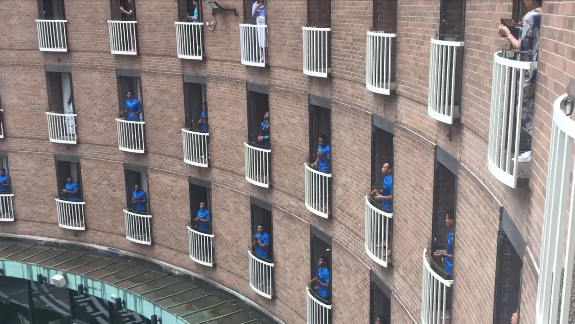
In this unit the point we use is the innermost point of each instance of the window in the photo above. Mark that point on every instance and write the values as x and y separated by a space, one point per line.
248 6
201 193
195 104
60 93
320 124
519 10
319 13
137 194
385 15
261 215
381 148
452 19
187 10
258 106
380 306
119 14
321 249
5 182
381 54
133 86
51 9
68 167
2 130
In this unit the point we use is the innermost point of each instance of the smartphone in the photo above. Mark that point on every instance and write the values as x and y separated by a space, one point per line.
509 23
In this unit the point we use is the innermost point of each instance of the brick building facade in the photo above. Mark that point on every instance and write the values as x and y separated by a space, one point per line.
421 145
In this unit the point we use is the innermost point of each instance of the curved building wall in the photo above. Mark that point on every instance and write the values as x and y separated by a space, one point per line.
481 201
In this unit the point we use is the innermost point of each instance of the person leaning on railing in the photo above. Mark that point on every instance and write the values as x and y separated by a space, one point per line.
4 182
72 190
528 42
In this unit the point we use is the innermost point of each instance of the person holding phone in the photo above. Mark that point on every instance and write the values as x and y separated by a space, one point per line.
133 108
139 198
72 190
203 218
261 242
323 160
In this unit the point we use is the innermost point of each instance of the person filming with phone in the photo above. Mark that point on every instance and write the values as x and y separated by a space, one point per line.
261 242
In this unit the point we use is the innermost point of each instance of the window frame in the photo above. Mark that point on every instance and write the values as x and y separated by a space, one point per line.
319 103
377 282
266 207
6 164
189 106
142 170
207 186
60 158
59 70
183 10
136 80
317 234
256 89
387 127
41 10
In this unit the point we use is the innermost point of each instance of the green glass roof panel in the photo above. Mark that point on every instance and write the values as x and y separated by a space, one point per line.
13 250
139 279
27 252
198 304
154 285
44 255
60 259
183 297
174 294
98 263
124 274
4 245
107 270
77 262
226 309
236 318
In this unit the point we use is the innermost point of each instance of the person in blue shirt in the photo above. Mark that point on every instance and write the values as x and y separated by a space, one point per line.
261 242
133 108
140 199
203 218
264 132
323 161
204 118
323 278
72 189
4 181
195 17
385 195
448 254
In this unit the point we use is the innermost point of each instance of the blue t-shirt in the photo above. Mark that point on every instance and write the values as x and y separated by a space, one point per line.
5 179
449 261
265 130
140 195
73 187
133 106
387 191
323 276
196 14
323 165
260 12
204 214
204 116
260 251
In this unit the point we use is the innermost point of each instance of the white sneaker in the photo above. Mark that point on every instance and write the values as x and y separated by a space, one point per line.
525 157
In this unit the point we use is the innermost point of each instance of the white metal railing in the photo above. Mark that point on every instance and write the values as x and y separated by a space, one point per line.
443 73
378 71
138 227
1 123
123 37
196 150
557 251
254 47
261 276
505 120
316 51
71 214
378 229
435 290
6 207
189 36
257 165
201 247
62 128
52 35
131 135
318 312
317 191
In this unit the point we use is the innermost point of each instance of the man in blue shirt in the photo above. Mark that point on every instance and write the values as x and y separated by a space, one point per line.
264 133
203 218
261 242
448 255
323 161
133 108
72 189
204 119
322 279
140 199
4 181
385 195
195 17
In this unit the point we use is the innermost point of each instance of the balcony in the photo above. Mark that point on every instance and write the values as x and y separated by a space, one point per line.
123 37
261 276
444 80
318 311
62 128
201 247
196 150
6 207
138 227
71 214
554 294
378 228
378 76
131 135
52 35
257 165
317 191
435 308
189 36
254 45
316 51
505 120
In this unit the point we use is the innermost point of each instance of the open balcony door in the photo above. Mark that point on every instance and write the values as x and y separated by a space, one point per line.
68 103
